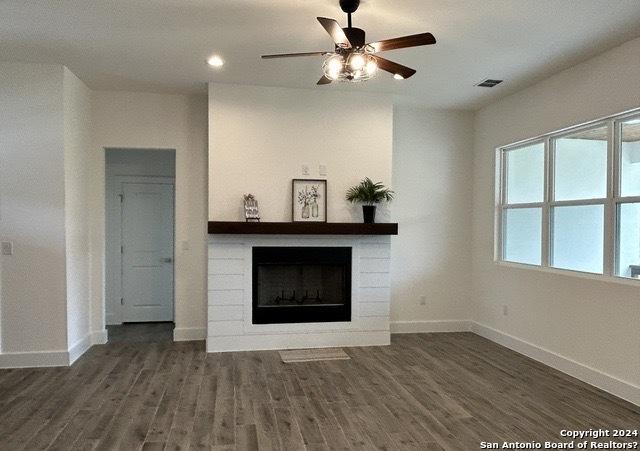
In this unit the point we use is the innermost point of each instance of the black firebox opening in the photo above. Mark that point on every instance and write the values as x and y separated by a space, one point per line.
301 284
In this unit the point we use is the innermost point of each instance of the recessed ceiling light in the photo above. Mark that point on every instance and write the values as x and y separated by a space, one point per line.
215 61
398 77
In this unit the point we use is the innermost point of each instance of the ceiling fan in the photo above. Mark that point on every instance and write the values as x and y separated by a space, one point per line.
354 60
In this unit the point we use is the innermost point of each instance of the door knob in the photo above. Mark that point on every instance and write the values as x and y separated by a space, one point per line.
167 260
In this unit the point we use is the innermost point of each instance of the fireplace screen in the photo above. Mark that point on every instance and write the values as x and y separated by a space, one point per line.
301 284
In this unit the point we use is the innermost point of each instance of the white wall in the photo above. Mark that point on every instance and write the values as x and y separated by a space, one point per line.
431 256
32 204
593 323
154 121
77 142
260 137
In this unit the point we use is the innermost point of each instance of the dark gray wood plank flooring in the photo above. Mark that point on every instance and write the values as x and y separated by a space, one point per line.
425 391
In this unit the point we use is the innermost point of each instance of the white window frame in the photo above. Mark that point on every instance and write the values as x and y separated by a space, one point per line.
610 203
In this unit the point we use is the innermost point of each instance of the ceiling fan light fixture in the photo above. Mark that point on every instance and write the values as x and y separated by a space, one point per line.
350 67
398 77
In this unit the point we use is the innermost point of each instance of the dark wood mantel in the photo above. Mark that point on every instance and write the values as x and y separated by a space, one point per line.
300 228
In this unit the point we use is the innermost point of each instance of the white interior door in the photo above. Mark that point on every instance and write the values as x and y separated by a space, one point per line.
147 252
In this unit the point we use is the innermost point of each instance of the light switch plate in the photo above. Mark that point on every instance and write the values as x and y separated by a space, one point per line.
322 169
305 169
7 248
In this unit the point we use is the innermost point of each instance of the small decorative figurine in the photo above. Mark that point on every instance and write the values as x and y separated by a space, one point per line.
251 212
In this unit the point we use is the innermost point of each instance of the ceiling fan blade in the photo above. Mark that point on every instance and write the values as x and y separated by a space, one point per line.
335 31
394 68
414 40
324 80
291 55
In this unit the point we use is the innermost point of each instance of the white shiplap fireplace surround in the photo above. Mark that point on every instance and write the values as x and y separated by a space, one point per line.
230 327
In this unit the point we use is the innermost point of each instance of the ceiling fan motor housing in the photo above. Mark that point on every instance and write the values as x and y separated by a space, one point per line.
356 36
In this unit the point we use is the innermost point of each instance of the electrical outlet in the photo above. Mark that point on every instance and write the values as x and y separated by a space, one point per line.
423 300
7 248
305 169
505 310
322 169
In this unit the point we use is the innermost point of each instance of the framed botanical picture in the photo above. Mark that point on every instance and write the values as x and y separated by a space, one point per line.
309 200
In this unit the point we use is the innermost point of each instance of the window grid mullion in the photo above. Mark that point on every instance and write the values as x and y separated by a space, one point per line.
499 201
551 171
527 205
545 252
610 232
627 200
577 202
504 174
503 200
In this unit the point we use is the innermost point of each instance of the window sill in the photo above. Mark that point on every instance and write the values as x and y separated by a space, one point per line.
568 272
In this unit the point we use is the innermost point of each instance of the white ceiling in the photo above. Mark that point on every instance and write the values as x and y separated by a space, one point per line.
162 45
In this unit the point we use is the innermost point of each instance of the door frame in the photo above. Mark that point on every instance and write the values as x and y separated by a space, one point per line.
113 238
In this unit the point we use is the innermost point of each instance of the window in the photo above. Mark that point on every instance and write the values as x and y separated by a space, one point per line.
571 200
578 238
578 199
525 174
524 196
523 235
628 203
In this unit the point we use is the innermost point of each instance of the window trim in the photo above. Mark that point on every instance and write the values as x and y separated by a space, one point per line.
610 203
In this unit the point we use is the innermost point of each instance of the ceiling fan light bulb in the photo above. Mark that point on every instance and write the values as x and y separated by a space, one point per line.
334 67
335 64
371 67
357 61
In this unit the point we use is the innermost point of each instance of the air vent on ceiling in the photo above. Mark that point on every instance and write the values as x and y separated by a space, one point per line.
489 83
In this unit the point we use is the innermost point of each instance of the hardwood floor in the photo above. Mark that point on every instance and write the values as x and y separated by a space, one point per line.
425 391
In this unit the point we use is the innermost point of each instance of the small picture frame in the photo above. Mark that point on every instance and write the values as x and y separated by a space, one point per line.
309 200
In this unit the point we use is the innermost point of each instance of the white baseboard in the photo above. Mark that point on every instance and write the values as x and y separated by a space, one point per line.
99 337
78 348
189 334
611 384
34 359
52 358
412 327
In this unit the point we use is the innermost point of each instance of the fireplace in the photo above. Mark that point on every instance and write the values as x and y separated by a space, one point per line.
301 284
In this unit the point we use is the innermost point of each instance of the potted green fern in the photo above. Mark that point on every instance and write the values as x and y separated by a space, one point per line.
369 194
